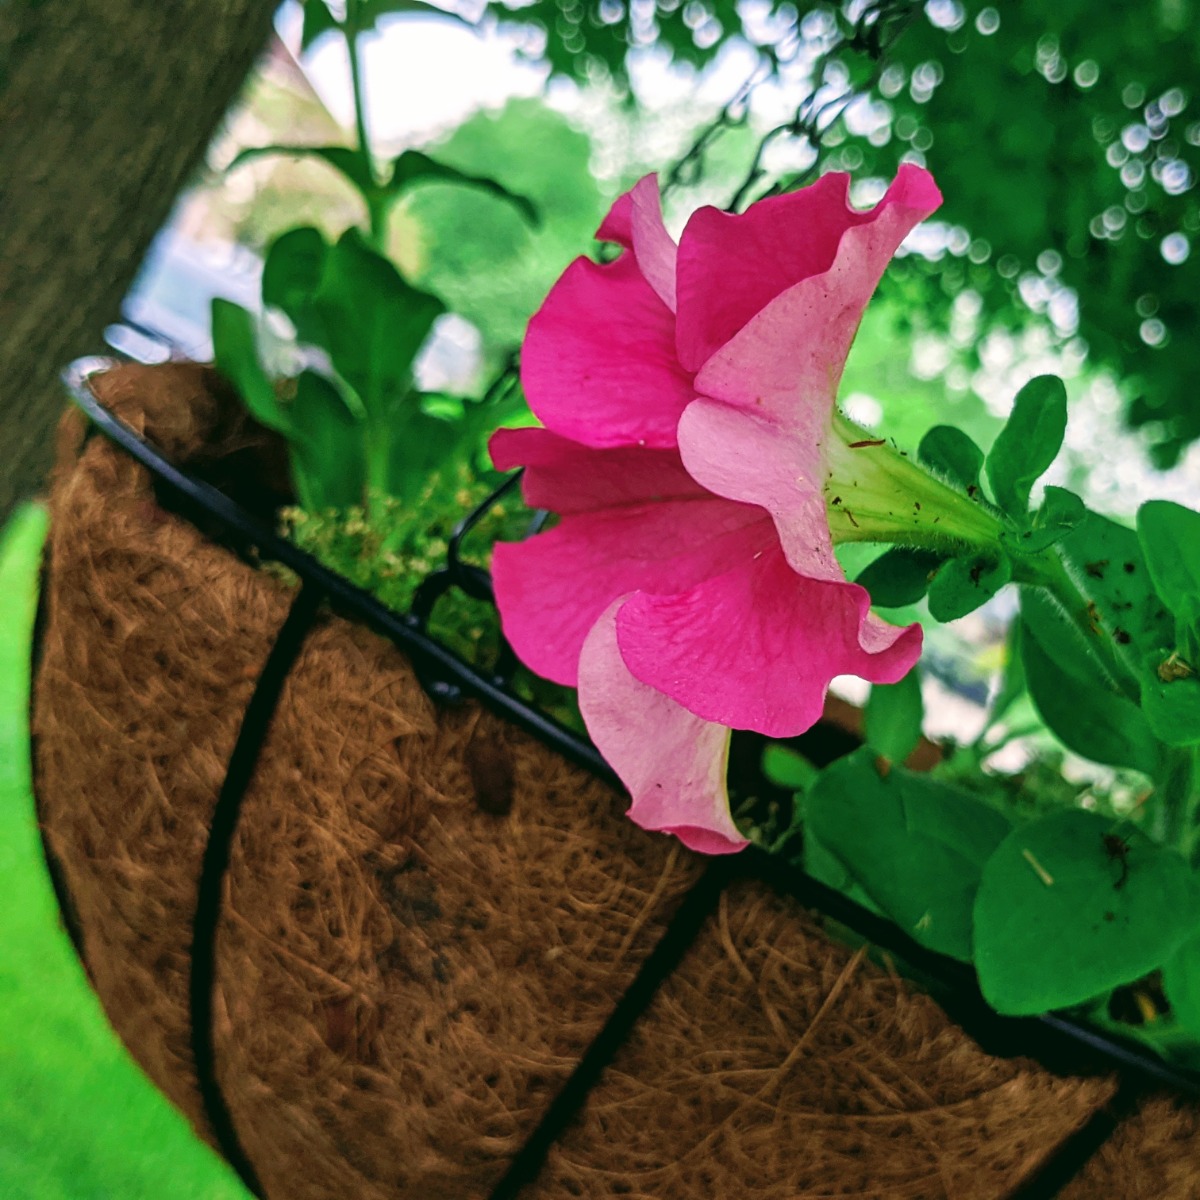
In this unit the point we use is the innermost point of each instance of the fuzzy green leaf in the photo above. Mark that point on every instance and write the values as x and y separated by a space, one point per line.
963 584
1171 704
1170 537
1075 697
1107 561
1028 443
953 454
1069 909
915 846
893 717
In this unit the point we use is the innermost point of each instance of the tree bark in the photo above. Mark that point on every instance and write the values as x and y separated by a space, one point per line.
106 107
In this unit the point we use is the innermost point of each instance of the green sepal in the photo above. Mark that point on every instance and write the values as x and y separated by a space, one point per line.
1070 906
1061 511
953 455
963 584
1028 443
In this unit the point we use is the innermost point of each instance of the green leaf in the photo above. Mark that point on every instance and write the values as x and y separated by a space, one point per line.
419 443
412 168
347 162
1028 443
1061 512
893 717
235 351
898 577
328 461
1074 695
787 769
352 302
963 584
318 20
1107 561
376 322
1171 705
826 868
1181 982
952 454
291 276
1170 537
369 12
915 846
1064 913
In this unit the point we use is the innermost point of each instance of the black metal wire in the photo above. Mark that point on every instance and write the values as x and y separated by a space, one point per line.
1058 1041
215 866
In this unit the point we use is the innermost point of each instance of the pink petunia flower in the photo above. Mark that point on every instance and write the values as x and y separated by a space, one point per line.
692 448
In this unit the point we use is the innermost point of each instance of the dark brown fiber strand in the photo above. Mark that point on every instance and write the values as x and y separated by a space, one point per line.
403 979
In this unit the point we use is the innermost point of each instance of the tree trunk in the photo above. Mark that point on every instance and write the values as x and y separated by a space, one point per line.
106 107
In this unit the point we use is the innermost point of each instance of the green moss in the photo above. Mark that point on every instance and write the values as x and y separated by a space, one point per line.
391 548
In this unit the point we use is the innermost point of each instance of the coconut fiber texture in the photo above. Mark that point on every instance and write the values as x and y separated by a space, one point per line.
428 916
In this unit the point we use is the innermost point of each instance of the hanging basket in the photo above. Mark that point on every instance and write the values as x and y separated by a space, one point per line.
378 947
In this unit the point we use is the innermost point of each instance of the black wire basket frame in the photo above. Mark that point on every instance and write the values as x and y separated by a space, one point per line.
1058 1042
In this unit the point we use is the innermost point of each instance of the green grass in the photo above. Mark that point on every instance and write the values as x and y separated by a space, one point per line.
78 1120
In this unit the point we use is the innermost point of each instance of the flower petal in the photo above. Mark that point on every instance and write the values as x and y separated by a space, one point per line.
756 648
565 477
731 266
734 452
758 432
673 763
598 363
551 589
635 221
